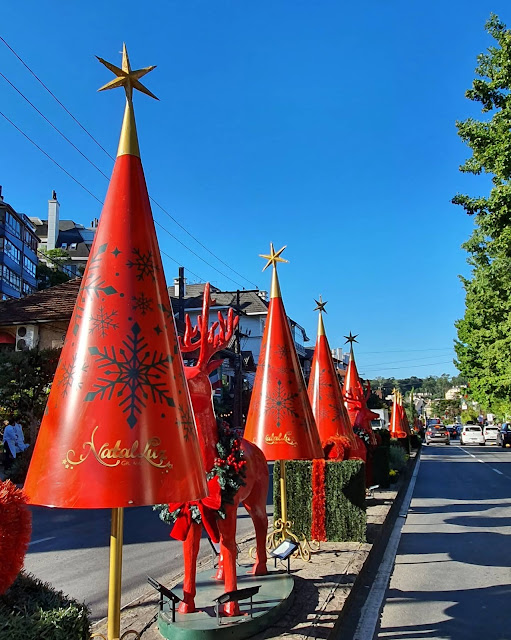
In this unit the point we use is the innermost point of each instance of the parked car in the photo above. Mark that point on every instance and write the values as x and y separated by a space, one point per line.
472 434
437 433
504 435
490 433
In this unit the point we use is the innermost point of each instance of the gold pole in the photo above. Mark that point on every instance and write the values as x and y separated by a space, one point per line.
282 527
114 581
283 495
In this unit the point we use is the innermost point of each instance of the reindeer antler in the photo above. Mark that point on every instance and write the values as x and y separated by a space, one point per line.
209 342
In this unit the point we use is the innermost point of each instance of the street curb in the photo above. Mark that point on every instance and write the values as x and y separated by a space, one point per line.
358 592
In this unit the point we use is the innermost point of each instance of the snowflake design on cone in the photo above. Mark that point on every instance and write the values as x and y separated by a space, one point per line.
326 391
283 352
335 412
142 303
281 403
68 376
144 265
132 375
103 322
93 285
186 421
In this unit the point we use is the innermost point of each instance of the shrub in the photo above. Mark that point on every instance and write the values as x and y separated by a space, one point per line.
33 610
385 437
345 516
381 466
415 441
19 468
398 457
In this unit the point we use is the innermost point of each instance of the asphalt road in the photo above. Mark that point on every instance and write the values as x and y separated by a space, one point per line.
452 575
69 549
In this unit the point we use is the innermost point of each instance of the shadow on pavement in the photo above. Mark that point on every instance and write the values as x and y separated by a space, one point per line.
477 614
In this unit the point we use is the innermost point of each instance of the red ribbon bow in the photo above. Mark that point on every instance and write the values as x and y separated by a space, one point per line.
208 508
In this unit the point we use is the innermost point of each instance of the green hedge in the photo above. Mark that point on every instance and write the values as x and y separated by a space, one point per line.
345 498
415 441
33 610
402 442
381 466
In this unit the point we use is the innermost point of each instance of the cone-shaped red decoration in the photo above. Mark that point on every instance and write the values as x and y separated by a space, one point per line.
325 394
355 396
118 428
398 419
280 419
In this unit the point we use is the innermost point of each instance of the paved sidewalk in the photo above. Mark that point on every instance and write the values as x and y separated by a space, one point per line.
322 585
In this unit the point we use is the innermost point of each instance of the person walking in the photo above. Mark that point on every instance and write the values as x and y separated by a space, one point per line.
20 438
9 440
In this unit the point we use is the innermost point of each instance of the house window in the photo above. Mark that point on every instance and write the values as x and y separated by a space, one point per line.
13 224
29 240
29 266
27 288
12 278
12 251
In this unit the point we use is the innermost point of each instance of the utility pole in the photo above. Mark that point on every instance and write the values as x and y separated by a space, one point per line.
237 411
181 293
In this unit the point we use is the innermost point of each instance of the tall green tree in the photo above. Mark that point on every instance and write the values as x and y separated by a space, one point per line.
483 347
53 271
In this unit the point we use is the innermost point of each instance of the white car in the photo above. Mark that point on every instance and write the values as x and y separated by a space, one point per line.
490 434
471 434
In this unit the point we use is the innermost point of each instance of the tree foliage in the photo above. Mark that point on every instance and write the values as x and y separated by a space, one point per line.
52 272
483 347
25 380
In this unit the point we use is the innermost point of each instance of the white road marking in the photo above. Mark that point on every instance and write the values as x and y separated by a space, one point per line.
373 605
41 540
484 462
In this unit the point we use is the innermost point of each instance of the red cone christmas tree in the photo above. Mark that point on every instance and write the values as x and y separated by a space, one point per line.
118 428
280 419
326 398
355 396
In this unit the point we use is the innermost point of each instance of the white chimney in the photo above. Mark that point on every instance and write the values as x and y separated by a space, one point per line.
53 221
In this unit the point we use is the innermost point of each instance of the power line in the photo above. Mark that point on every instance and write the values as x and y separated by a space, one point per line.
90 192
429 364
52 125
112 158
50 158
55 98
105 176
377 364
101 202
406 350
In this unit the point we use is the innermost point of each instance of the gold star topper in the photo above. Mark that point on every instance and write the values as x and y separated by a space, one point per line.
321 305
351 339
274 256
126 77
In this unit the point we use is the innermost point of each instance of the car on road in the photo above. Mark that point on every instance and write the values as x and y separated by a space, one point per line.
453 431
472 434
490 433
504 435
437 433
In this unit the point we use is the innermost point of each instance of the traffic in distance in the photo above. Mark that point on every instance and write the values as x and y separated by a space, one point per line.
469 433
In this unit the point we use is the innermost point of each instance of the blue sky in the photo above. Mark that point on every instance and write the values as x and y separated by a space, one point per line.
326 126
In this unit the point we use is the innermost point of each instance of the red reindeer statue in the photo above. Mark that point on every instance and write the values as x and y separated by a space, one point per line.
255 489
